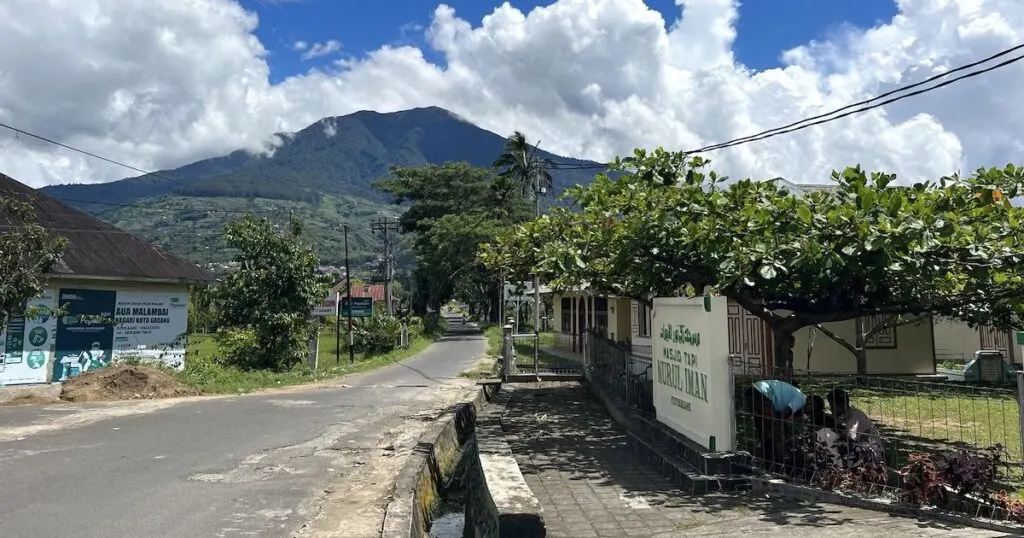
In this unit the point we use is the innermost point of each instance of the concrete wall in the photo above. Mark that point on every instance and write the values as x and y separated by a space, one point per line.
955 340
419 484
120 285
139 331
914 354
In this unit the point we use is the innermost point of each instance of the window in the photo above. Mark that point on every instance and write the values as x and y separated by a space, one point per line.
643 321
884 338
566 315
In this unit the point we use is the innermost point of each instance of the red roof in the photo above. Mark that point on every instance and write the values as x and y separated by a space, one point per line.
374 291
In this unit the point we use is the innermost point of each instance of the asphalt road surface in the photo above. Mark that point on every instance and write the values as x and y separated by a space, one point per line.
257 465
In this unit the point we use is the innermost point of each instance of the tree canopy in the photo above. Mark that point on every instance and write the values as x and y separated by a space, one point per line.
671 226
27 253
454 208
264 306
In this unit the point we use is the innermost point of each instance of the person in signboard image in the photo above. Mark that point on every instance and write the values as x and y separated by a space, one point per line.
93 358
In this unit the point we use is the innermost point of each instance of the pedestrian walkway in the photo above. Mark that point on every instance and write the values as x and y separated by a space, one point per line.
575 461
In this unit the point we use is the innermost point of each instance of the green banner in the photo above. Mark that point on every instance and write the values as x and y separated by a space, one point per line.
14 344
85 332
362 307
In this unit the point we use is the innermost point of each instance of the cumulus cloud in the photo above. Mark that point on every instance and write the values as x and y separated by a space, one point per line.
160 83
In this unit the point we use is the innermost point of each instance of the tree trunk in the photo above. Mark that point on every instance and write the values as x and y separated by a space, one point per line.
860 352
783 340
862 361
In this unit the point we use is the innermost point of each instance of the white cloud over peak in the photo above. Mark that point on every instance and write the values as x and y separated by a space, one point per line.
160 83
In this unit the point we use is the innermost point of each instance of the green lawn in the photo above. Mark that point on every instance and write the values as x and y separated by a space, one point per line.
212 378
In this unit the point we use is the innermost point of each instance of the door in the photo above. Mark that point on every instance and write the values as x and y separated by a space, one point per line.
749 339
997 340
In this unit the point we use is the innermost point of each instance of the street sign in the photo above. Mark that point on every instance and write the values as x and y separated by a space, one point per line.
362 307
1020 338
329 306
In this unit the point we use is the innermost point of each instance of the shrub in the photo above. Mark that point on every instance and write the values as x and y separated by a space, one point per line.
377 334
926 477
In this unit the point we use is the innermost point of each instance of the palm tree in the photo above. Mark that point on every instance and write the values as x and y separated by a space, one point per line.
520 163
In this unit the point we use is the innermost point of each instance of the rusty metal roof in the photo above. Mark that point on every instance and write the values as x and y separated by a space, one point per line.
96 249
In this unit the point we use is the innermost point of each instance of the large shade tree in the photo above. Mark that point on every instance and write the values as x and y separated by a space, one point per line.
670 226
453 209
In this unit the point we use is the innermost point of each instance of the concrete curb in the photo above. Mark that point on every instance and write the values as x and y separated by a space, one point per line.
779 488
50 391
418 486
509 504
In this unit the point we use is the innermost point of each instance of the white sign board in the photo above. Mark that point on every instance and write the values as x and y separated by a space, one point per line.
27 343
151 326
329 306
692 383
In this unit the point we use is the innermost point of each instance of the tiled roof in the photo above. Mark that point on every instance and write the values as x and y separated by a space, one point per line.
97 249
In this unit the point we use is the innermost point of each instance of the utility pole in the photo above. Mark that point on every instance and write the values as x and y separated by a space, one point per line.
348 287
536 276
386 226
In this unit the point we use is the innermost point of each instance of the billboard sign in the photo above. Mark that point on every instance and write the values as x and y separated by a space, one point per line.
362 307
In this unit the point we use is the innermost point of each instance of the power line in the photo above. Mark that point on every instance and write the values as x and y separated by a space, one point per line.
90 154
851 109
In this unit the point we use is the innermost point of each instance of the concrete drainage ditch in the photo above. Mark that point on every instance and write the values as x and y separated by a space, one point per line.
463 481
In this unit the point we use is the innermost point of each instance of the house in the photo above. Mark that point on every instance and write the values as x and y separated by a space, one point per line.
911 349
373 291
116 295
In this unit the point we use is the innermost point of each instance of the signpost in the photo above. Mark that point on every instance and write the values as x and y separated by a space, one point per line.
362 307
314 350
329 307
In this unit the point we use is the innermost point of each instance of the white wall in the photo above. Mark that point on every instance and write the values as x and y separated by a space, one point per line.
914 353
693 391
955 340
150 323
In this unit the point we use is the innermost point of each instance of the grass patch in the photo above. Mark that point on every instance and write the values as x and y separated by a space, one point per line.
494 336
204 373
485 369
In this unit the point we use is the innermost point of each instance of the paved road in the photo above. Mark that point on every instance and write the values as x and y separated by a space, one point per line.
257 465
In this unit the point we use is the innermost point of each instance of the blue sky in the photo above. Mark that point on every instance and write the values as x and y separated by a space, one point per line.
765 28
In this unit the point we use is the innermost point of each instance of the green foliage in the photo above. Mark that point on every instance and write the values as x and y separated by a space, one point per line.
27 253
521 163
264 306
866 247
454 208
193 227
201 312
377 334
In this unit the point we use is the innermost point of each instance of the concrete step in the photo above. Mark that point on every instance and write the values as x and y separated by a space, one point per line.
682 473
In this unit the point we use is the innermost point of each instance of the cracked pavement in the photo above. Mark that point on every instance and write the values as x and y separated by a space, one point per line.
315 461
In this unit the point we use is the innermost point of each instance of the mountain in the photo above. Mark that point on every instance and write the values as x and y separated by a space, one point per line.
323 173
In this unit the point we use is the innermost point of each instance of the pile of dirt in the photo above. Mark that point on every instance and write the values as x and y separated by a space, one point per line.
123 382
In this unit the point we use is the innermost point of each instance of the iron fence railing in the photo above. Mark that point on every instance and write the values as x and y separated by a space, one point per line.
880 435
623 377
545 353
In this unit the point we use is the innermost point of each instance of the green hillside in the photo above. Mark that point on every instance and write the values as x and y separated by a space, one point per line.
323 173
191 226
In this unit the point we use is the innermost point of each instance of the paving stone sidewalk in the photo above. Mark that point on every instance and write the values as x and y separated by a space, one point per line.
590 484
